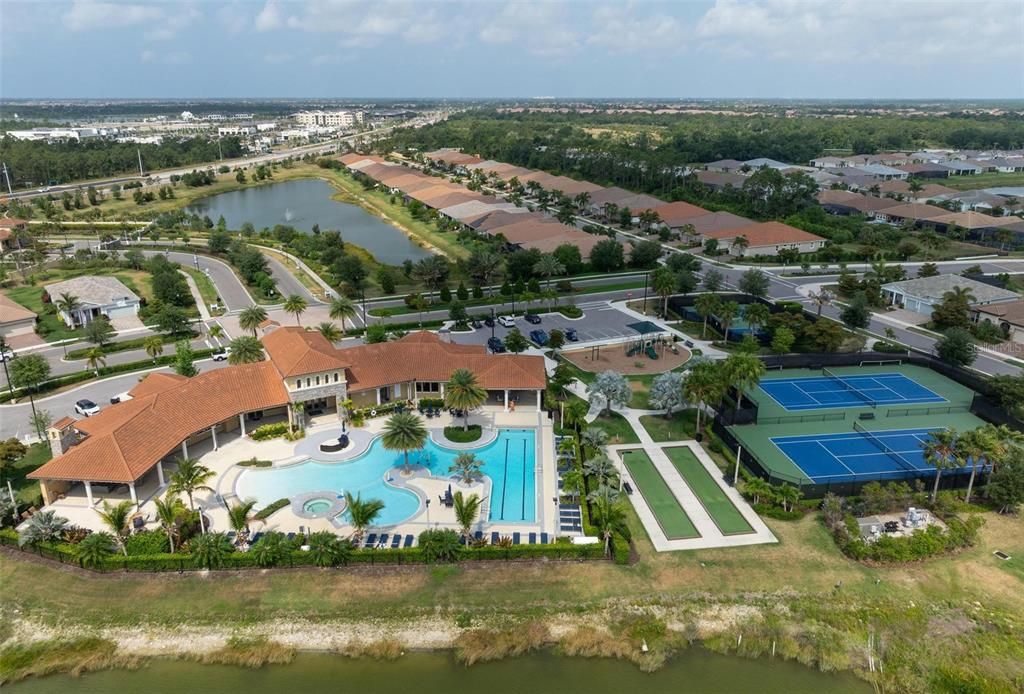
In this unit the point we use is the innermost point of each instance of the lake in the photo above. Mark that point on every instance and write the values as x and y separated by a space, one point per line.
304 202
695 670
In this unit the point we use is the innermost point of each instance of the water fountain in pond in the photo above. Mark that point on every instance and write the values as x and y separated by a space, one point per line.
288 214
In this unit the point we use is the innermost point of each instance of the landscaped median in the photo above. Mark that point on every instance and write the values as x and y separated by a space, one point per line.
66 553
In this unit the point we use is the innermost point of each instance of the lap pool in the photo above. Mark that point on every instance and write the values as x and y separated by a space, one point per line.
509 461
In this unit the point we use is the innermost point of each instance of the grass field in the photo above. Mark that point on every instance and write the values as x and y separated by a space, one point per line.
725 514
985 180
681 426
663 503
617 428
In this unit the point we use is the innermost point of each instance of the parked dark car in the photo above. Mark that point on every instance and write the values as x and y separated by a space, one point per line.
476 323
539 336
570 335
532 318
489 322
495 345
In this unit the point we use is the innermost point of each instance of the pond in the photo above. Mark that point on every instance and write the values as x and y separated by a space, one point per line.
304 202
695 670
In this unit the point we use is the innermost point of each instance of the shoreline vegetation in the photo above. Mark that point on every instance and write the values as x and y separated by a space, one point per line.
937 625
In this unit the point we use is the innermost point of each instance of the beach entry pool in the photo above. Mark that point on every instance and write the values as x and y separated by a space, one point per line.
509 461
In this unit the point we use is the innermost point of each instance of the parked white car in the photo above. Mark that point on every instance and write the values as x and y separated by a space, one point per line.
87 408
507 321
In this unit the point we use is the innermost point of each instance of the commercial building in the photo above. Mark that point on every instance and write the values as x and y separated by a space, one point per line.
330 119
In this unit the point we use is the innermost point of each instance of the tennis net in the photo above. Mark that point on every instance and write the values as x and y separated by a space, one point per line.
883 447
846 385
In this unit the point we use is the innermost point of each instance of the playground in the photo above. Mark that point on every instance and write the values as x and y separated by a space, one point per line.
650 351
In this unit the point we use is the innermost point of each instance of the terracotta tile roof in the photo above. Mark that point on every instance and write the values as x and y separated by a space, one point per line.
531 230
717 221
423 356
295 351
11 223
582 240
1010 311
766 234
11 311
63 422
675 214
156 383
915 211
126 440
968 220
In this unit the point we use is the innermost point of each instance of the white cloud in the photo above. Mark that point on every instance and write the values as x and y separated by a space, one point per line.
913 33
85 15
619 30
269 17
542 28
169 26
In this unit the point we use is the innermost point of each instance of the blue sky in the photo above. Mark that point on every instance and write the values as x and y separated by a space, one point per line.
422 48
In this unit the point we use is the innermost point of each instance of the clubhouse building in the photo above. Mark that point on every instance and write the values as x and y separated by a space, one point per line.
124 449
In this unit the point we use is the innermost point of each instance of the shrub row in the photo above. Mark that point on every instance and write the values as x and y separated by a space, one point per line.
66 554
382 409
126 345
270 509
269 431
82 376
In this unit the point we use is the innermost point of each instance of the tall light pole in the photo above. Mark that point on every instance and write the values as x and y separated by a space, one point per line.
646 276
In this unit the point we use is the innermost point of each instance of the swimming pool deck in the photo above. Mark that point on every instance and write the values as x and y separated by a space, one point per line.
234 449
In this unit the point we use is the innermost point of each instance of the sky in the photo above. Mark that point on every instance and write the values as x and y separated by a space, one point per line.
912 49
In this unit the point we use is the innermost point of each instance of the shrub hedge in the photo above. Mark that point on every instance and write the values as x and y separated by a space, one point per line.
125 345
271 508
269 431
65 553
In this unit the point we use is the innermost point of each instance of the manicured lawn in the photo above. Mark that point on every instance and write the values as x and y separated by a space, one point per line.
617 428
725 514
682 426
985 180
26 490
663 503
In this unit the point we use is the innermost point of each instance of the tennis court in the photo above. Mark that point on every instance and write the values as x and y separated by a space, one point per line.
874 455
831 391
663 503
711 495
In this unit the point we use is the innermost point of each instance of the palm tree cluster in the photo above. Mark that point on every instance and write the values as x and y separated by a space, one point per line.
985 447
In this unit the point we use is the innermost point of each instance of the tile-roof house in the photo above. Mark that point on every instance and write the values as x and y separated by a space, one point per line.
845 202
724 165
15 319
97 296
1009 316
922 294
766 238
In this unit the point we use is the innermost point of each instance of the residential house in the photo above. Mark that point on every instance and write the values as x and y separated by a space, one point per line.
10 231
915 212
716 180
15 319
765 239
881 172
97 296
724 166
1008 316
844 202
675 215
961 168
922 294
925 170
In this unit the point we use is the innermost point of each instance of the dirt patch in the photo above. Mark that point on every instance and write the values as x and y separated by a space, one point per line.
616 358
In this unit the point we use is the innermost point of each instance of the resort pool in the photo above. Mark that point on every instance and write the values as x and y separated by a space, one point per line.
509 461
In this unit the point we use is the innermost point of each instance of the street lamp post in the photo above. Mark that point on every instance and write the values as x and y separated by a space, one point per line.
492 331
646 276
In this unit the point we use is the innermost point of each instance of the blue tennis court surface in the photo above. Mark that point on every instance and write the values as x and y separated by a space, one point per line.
822 392
849 455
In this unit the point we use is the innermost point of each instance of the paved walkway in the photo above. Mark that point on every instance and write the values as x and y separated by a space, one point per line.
710 535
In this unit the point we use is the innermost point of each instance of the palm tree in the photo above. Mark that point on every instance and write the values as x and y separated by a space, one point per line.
68 304
466 511
941 452
210 550
239 516
169 512
742 371
94 359
707 305
788 495
154 346
582 200
740 244
665 282
610 520
821 298
116 518
296 305
704 385
593 439
330 331
216 330
975 446
483 266
342 308
600 467
361 514
404 432
189 478
431 271
548 266
251 318
727 313
463 392
467 467
94 549
326 549
961 295
757 315
245 349
759 489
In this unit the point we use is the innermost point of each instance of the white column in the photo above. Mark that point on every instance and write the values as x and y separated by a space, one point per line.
213 431
184 449
378 396
506 399
538 401
88 492
241 422
131 490
160 472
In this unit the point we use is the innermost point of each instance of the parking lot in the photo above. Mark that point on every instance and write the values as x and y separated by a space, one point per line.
599 322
